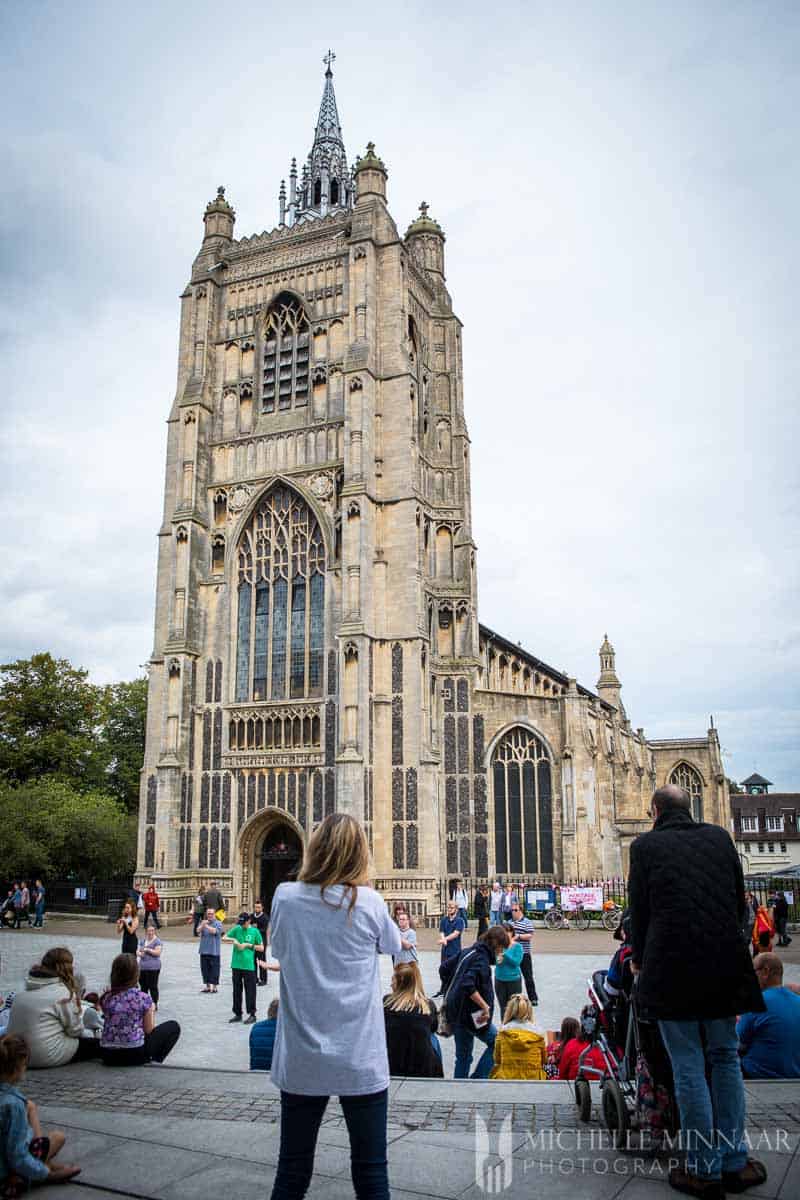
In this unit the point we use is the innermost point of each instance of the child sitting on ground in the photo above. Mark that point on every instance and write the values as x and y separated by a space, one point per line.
25 1152
519 1051
570 1028
262 1040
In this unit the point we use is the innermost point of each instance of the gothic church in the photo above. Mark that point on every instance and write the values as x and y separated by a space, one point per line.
317 644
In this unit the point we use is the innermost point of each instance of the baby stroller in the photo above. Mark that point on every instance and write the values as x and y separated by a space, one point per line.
637 1090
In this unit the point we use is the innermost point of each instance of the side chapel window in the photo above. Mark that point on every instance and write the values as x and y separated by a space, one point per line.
286 337
281 601
687 778
523 806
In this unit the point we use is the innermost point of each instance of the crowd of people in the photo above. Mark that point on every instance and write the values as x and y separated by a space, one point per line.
330 1032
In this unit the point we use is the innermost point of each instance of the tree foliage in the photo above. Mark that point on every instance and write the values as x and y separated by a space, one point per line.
51 828
49 717
124 717
55 724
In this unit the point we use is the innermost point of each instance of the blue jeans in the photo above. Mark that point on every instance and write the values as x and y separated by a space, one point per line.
464 1039
495 916
437 1048
301 1117
712 1120
39 922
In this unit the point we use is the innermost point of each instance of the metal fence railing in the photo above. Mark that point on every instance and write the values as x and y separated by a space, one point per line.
82 896
616 889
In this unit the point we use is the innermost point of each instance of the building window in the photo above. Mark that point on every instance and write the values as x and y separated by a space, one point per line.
783 847
771 847
523 810
747 847
286 335
281 601
749 824
775 824
689 779
760 847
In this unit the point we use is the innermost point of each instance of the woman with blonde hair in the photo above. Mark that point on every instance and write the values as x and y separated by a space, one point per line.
411 1022
327 930
49 1013
519 1051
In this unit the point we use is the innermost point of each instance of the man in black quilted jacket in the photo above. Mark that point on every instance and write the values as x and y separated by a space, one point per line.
686 898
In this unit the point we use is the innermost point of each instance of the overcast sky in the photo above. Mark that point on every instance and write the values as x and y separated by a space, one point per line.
619 188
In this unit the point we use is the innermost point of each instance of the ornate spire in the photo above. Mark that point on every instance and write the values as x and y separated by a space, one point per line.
328 127
326 184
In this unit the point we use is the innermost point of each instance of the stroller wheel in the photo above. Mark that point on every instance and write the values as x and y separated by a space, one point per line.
583 1099
615 1113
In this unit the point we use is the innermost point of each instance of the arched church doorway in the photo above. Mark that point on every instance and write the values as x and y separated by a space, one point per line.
279 860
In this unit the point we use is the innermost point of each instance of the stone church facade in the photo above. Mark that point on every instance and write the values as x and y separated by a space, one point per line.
317 642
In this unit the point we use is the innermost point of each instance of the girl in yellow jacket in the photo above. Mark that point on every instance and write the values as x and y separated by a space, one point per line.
519 1051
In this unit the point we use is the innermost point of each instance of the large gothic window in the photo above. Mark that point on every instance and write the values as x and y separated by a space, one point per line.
286 334
523 808
280 601
689 779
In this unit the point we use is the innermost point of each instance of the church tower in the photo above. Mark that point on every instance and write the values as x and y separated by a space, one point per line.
317 645
316 579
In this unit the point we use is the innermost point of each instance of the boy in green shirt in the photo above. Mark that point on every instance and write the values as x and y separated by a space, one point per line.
246 941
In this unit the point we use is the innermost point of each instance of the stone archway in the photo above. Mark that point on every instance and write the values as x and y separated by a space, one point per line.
270 851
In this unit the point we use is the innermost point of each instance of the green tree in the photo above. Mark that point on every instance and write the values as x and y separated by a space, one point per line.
51 828
124 716
49 719
734 788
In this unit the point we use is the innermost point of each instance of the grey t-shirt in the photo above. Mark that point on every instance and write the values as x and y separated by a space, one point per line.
408 935
331 1037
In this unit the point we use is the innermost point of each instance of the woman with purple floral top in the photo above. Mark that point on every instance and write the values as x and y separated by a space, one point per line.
130 1035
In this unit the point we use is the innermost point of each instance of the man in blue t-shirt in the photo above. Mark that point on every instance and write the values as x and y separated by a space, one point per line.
451 928
769 1042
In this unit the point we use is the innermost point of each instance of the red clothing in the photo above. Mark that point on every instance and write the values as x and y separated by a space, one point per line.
151 901
568 1066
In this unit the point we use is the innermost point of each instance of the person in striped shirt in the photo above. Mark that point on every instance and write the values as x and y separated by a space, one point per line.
523 932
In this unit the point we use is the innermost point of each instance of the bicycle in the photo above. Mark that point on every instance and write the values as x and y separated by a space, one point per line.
556 918
611 916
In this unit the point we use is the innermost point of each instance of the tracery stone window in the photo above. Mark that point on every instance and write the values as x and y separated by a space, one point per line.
286 353
689 779
523 808
281 601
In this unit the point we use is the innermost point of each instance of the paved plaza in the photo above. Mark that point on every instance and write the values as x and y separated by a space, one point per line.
208 1040
202 1125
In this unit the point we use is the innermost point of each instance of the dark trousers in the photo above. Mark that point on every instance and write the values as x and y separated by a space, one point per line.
152 913
483 925
157 1046
19 913
197 918
526 966
301 1117
209 968
504 989
246 980
87 1048
780 925
148 983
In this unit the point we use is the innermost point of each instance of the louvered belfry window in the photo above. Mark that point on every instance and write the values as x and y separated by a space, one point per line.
281 601
286 349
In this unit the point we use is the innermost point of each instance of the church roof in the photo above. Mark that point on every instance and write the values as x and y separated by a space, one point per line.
537 663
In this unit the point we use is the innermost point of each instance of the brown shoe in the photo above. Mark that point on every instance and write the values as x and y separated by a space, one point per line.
752 1174
693 1185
